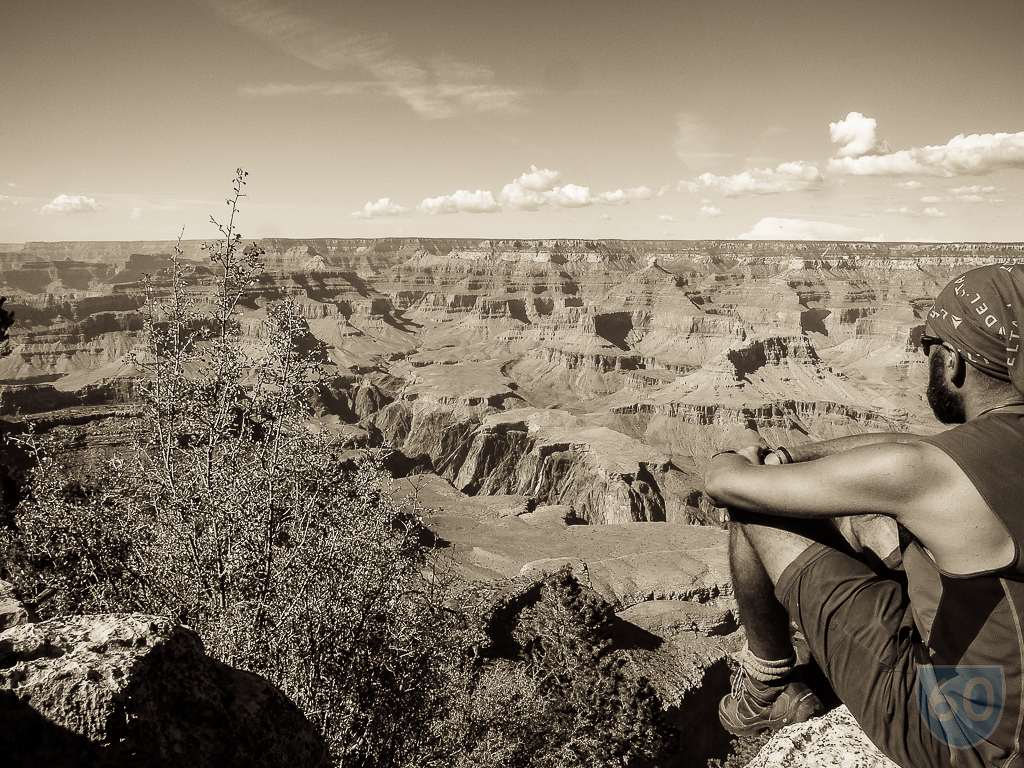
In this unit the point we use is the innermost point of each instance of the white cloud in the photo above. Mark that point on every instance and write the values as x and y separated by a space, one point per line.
462 201
788 177
974 155
137 214
931 199
622 197
6 202
527 192
444 92
448 89
975 189
569 196
908 184
606 217
64 204
666 217
913 213
539 180
12 185
975 194
437 90
709 211
686 186
538 188
383 207
543 188
856 135
773 228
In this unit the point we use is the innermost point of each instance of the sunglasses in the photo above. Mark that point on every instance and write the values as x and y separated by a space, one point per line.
927 342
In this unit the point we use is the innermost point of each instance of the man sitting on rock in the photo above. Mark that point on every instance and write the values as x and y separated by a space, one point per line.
930 665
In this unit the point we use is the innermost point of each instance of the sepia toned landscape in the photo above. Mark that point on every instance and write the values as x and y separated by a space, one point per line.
546 403
361 364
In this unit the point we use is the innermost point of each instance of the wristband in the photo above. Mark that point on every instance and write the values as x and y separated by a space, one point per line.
785 457
720 453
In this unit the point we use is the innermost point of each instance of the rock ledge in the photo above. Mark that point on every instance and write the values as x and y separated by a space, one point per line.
131 690
832 741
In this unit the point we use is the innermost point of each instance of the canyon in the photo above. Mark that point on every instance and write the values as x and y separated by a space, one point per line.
543 402
595 374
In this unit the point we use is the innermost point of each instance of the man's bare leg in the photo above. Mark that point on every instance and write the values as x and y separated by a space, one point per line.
771 696
765 620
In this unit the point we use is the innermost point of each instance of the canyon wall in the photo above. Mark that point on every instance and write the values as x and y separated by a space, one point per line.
597 374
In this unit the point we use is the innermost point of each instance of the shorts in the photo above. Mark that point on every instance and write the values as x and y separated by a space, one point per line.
861 633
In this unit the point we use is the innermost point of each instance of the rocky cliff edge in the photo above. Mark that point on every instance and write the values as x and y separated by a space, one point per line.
132 690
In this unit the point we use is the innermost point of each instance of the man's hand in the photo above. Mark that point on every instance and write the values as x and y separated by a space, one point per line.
749 444
752 446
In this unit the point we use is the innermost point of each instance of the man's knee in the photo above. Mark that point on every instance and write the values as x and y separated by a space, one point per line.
778 541
775 548
875 539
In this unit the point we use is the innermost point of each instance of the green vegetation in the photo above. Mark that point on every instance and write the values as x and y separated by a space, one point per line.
289 555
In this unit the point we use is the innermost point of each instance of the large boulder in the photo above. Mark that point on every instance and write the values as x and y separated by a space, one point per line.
132 690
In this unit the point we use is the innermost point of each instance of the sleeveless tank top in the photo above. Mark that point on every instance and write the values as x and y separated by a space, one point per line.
975 622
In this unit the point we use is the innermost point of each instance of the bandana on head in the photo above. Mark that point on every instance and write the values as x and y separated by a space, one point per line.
977 314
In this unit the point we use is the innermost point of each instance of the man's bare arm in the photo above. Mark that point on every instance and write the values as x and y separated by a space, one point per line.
882 477
912 482
823 448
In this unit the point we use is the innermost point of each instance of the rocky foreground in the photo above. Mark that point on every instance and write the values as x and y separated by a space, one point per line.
133 690
547 403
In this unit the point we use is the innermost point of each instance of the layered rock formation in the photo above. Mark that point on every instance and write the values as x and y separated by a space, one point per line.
550 457
448 350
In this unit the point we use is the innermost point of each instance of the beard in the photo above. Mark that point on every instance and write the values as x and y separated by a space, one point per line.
947 404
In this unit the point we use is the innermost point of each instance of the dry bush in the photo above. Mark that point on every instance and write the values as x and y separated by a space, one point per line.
240 518
568 699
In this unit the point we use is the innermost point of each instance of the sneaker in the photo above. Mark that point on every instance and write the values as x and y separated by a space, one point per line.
754 707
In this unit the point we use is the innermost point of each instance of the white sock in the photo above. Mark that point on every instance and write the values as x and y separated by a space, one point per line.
767 670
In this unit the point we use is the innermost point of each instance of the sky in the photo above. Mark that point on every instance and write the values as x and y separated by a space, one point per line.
794 119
